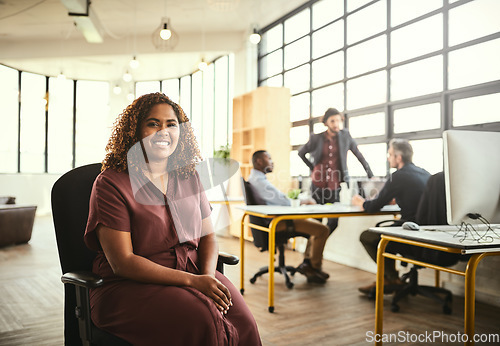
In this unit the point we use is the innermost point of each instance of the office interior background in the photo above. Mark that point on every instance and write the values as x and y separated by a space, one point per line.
396 68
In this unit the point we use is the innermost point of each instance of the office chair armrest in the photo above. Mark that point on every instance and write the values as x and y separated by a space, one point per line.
228 259
83 279
225 258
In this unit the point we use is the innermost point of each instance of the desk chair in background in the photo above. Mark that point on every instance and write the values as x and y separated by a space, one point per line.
261 238
70 208
431 211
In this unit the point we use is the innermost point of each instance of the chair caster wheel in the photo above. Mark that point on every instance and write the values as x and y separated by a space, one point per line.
252 280
394 307
242 290
289 285
446 310
271 309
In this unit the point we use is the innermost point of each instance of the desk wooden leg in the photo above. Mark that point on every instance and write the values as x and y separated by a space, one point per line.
379 297
272 244
242 255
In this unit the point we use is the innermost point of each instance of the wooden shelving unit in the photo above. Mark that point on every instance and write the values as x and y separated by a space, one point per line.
261 121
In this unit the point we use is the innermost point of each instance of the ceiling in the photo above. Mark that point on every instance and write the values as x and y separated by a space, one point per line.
39 35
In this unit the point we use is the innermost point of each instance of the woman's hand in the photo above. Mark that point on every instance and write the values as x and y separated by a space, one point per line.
213 289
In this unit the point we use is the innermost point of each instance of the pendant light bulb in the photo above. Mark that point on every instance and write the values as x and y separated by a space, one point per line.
254 38
127 77
117 90
134 63
165 33
61 76
202 66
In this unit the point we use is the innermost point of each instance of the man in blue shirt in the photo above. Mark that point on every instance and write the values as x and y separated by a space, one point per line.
318 233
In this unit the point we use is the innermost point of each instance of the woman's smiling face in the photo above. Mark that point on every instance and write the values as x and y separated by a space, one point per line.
159 132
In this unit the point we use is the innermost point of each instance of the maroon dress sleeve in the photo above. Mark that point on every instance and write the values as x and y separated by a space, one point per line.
108 207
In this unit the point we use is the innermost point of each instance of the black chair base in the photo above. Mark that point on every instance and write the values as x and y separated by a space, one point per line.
439 294
281 268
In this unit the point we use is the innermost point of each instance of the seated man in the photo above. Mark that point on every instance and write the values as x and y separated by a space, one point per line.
311 267
406 185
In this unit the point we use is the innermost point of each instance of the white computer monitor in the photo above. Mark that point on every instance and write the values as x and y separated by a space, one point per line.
472 175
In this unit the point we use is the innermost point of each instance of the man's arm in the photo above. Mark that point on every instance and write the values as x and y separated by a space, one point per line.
269 193
385 196
306 148
353 146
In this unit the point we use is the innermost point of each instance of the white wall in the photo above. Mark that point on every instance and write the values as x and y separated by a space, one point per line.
29 189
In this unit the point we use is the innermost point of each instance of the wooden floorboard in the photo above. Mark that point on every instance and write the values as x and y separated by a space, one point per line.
31 301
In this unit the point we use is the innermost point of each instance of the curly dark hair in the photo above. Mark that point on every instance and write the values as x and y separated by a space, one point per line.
126 133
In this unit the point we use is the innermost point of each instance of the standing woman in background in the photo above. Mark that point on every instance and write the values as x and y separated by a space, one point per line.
149 223
328 160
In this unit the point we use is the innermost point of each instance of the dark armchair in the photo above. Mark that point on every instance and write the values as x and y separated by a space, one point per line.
261 238
70 208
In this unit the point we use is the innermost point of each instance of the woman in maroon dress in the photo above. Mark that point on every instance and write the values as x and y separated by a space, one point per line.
150 223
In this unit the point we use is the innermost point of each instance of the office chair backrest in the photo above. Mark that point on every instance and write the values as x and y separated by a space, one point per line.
260 238
432 211
70 209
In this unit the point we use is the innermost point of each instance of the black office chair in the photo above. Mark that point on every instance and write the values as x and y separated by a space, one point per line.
70 208
261 238
431 211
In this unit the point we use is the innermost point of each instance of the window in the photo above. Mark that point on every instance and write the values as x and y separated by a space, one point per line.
60 127
326 10
297 26
425 69
33 103
367 125
354 4
297 79
208 128
375 15
299 135
428 154
476 110
481 17
170 87
417 118
484 57
185 96
272 39
374 154
9 99
93 123
328 39
367 90
324 98
222 124
405 10
375 49
417 39
299 107
197 104
143 88
297 166
418 78
297 53
328 69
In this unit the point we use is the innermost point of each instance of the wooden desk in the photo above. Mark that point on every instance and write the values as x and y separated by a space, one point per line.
280 213
438 238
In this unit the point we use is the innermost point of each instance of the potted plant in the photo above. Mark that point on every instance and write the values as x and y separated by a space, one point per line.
293 195
224 152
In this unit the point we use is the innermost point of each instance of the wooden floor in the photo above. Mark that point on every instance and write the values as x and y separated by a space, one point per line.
31 301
